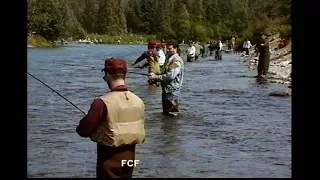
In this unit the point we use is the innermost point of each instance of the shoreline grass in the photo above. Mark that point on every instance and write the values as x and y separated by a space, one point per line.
124 39
37 41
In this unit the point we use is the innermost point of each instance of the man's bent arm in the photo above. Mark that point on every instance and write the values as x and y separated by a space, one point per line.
97 113
171 74
142 57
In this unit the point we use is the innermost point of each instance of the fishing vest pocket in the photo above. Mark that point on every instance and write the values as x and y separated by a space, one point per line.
129 133
103 135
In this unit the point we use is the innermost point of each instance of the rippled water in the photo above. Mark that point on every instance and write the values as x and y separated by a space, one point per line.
228 126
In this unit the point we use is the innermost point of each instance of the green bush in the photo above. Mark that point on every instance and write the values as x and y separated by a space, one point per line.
285 31
39 41
199 32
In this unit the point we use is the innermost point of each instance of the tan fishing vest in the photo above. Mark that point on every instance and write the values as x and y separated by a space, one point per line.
124 123
153 64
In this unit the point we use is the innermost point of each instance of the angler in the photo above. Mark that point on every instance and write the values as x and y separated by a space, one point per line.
171 79
115 122
153 57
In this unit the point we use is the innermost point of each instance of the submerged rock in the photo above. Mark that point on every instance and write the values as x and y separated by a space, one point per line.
275 81
280 93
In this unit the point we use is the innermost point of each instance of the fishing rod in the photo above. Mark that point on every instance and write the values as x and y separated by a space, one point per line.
138 73
57 93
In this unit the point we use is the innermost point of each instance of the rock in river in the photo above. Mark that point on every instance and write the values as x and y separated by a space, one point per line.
280 93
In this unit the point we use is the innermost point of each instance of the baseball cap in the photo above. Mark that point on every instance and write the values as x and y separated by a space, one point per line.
112 64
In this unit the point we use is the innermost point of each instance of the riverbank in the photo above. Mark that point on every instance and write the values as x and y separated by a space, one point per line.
123 39
36 41
280 62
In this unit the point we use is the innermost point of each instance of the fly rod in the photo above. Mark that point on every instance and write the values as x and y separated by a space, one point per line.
139 73
57 93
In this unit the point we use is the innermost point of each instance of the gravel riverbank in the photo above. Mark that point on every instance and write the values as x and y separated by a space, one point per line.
280 64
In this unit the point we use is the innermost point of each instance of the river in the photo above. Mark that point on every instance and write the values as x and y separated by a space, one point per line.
228 126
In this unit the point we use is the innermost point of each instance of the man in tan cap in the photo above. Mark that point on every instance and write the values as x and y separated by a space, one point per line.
115 122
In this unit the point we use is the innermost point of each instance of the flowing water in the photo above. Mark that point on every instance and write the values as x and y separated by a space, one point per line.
228 125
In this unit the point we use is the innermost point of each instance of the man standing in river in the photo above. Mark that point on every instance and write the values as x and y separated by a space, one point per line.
233 42
171 79
264 56
115 122
191 52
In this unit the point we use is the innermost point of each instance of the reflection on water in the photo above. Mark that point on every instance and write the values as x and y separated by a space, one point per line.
228 125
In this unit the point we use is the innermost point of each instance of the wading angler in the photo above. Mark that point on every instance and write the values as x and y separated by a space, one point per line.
115 122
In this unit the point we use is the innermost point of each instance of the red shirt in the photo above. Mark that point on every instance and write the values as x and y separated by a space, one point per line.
96 114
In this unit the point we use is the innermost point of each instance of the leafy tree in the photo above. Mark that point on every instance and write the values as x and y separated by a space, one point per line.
175 19
45 18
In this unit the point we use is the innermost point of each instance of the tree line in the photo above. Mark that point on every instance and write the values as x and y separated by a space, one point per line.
199 20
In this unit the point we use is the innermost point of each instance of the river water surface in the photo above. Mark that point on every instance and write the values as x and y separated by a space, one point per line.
228 125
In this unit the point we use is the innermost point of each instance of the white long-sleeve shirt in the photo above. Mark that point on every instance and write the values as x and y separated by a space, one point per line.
220 46
162 58
247 44
191 51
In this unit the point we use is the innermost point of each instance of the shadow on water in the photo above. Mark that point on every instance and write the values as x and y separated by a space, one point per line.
244 76
228 125
226 91
262 81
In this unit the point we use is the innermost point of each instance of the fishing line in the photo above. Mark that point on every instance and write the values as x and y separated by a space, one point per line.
57 93
87 148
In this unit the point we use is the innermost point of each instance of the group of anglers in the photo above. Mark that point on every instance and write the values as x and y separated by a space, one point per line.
195 50
115 121
165 67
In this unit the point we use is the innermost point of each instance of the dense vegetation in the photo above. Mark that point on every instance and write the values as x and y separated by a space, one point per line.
199 20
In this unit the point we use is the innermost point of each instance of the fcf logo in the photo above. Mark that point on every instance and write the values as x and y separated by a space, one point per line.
130 163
